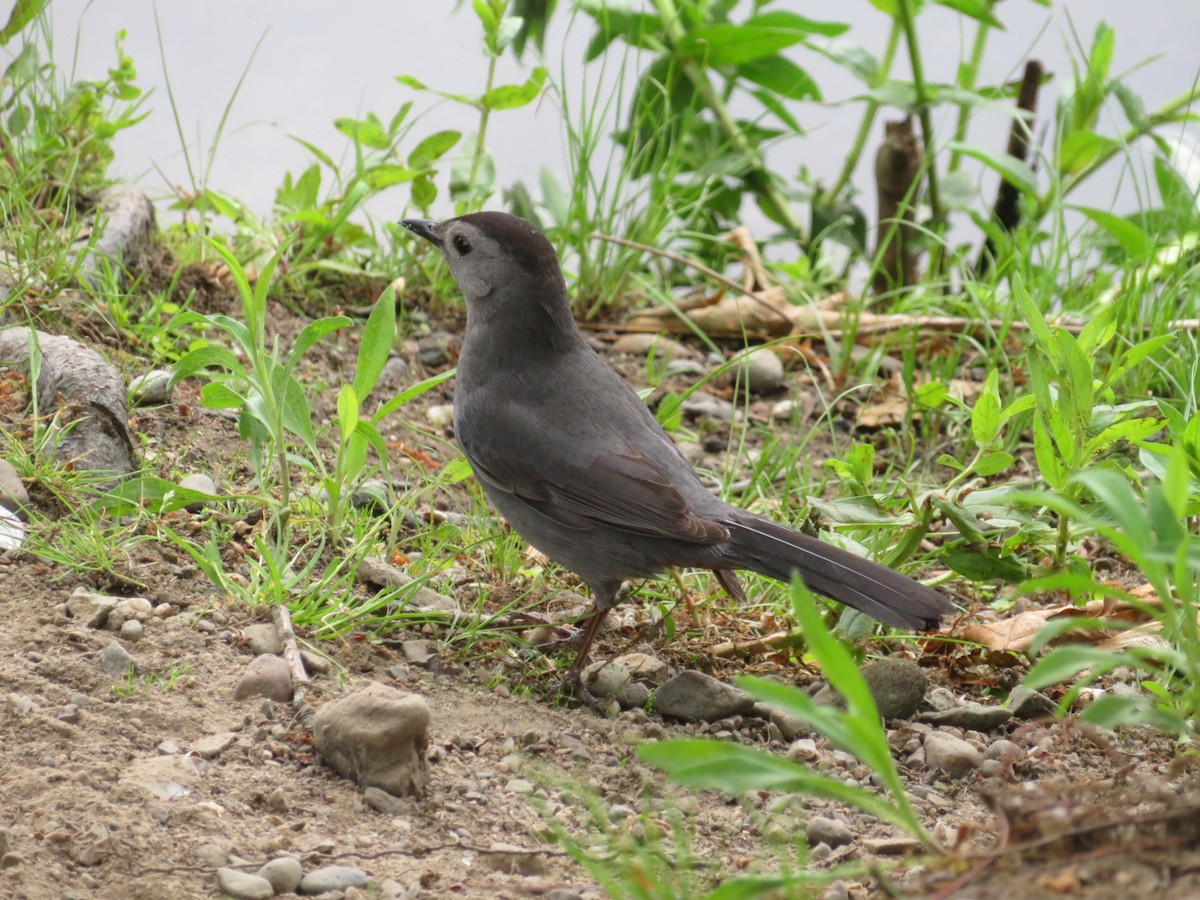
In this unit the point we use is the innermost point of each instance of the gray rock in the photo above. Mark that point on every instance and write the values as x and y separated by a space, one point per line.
395 370
152 389
946 753
131 630
897 685
830 832
90 608
971 716
693 696
419 651
201 484
332 878
125 222
213 745
12 529
116 661
604 679
783 409
639 344
633 695
266 676
85 397
440 415
437 347
790 727
262 639
383 802
703 404
377 737
212 855
685 367
13 494
373 495
644 666
1027 703
283 873
243 885
760 370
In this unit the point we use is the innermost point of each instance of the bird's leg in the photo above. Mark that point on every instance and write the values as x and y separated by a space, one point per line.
572 682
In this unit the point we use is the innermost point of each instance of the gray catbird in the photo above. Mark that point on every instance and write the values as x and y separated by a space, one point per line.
578 465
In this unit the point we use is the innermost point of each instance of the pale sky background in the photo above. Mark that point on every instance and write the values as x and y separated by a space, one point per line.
319 61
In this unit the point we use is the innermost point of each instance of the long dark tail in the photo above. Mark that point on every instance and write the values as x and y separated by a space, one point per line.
763 546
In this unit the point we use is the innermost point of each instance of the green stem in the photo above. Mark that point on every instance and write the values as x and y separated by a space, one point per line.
904 7
830 196
1161 116
758 177
967 80
484 112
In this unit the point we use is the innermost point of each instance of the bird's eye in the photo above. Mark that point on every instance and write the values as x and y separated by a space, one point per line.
462 245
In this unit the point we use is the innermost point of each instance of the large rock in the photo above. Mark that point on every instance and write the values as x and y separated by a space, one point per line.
693 696
84 395
376 737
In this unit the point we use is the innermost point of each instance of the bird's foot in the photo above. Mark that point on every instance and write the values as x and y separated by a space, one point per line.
572 689
572 640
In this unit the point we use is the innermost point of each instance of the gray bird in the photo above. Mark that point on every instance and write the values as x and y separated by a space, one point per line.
576 463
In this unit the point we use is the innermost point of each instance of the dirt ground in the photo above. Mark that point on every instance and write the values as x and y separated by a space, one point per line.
141 789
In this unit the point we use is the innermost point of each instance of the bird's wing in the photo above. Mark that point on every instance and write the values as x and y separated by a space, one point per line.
580 482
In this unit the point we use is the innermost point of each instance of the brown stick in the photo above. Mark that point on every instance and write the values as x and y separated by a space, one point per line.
898 167
1007 211
287 636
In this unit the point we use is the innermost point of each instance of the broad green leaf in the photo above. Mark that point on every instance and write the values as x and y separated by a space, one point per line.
781 76
993 463
369 132
384 175
729 44
486 15
219 395
23 12
1014 171
432 148
511 96
378 337
1081 149
1136 243
313 332
983 564
851 56
355 456
1049 462
410 393
347 411
980 10
210 356
641 30
985 416
733 769
1064 663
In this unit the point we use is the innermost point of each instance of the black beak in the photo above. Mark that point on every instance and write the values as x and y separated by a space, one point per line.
425 228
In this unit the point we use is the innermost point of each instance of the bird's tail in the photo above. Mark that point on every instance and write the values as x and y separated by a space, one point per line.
770 549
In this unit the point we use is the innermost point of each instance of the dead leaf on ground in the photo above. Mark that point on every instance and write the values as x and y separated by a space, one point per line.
1127 624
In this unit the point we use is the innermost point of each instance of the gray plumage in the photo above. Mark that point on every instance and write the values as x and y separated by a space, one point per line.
576 463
